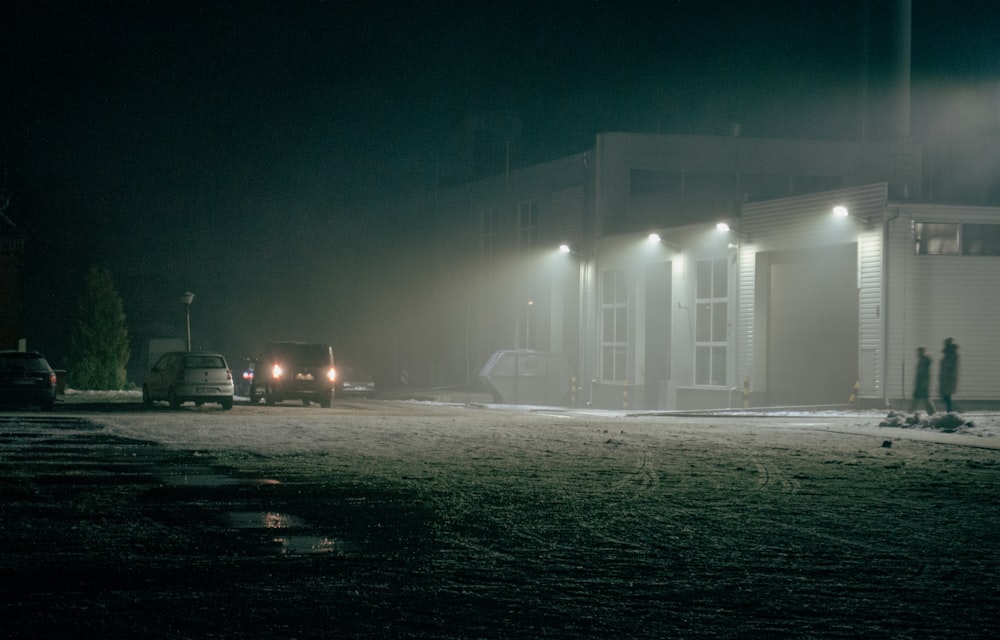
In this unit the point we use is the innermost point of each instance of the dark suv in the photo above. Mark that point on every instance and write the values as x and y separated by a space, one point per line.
294 371
26 379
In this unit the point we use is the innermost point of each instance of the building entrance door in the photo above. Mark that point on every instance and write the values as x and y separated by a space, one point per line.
812 326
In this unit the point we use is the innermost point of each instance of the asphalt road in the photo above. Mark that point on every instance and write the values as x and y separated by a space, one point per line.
392 520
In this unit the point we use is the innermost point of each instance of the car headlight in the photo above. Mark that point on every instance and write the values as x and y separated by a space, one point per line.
276 371
331 374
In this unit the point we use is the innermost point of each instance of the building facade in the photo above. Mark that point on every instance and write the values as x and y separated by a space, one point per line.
651 324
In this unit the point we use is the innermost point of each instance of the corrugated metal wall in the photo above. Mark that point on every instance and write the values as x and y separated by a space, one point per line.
807 221
938 296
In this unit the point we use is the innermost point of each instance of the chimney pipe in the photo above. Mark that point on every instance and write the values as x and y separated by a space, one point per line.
901 94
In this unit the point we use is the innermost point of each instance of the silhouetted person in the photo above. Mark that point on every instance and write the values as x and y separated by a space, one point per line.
922 383
948 374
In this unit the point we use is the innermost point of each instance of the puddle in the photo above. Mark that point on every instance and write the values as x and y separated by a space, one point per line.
312 545
199 480
262 520
289 544
195 476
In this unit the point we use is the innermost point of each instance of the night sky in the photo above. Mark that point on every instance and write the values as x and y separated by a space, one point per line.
276 158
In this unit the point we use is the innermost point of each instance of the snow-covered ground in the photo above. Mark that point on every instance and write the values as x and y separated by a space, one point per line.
289 426
461 521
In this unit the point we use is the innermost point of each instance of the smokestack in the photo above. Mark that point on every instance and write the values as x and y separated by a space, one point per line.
901 70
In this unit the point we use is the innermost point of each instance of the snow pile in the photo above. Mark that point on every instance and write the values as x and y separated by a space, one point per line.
947 422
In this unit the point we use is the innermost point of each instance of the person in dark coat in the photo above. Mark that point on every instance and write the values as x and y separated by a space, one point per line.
922 383
948 373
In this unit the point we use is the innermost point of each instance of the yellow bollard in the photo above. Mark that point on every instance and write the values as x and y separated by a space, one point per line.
854 393
746 392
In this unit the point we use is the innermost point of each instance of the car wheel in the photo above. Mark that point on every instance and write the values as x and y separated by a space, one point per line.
49 405
175 402
147 401
327 400
227 404
305 402
252 394
269 396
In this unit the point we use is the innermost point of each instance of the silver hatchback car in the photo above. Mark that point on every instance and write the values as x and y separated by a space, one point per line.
189 376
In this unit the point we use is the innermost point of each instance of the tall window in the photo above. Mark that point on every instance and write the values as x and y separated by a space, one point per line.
711 322
614 325
527 225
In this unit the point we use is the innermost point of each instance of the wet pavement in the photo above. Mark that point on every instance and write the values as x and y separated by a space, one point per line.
400 522
110 537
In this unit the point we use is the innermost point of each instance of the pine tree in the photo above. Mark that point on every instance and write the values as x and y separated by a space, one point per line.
99 346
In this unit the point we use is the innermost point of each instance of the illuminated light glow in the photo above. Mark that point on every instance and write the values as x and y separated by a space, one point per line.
722 226
331 374
564 248
654 237
840 211
276 372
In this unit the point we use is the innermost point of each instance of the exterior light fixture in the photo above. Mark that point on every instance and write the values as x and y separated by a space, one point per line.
840 211
564 248
724 227
654 237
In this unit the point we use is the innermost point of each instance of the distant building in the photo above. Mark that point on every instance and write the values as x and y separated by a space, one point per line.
643 326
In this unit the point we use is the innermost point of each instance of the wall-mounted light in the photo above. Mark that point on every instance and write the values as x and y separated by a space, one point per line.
725 228
654 237
564 248
840 211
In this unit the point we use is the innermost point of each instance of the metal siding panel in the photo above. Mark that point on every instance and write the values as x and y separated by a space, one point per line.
941 296
746 313
870 309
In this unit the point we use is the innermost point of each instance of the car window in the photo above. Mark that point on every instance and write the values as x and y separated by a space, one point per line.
312 357
204 362
29 363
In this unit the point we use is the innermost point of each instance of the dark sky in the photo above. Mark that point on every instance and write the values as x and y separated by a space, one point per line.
260 154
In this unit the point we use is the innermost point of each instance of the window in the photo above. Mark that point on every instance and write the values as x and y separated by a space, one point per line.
936 238
981 239
528 225
614 325
711 322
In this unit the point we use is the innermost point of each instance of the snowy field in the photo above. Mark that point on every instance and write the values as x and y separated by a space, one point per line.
481 521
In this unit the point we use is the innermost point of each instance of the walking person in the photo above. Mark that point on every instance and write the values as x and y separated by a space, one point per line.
948 373
922 383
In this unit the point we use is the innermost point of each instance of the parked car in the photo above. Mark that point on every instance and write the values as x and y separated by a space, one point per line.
189 376
245 381
26 379
294 371
354 382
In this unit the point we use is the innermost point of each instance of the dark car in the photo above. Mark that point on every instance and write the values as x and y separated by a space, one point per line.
245 381
26 379
189 376
354 382
294 371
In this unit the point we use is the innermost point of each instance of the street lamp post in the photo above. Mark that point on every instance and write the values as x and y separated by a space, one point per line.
186 299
